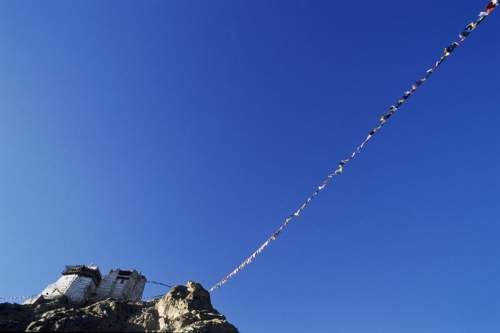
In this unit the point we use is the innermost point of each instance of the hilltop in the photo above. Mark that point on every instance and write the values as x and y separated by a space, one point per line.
184 309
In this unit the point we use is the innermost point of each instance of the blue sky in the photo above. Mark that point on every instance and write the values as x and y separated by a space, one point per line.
175 137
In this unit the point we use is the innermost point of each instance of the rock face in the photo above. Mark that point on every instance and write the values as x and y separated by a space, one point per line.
184 309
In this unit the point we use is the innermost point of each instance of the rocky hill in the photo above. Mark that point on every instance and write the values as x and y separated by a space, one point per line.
184 309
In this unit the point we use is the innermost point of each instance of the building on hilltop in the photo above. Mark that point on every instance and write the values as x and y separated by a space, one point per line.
77 283
121 284
80 283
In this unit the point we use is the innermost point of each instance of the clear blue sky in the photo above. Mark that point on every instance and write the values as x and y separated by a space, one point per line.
174 137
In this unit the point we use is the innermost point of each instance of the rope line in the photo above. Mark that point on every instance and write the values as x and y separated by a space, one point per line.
447 51
159 283
20 297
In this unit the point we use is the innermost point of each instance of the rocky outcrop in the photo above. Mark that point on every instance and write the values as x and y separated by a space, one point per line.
184 309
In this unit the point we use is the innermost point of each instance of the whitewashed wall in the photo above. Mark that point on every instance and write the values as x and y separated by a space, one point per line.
60 287
74 286
115 286
107 285
138 289
81 288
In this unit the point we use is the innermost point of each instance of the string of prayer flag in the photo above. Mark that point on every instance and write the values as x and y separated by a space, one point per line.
19 297
393 108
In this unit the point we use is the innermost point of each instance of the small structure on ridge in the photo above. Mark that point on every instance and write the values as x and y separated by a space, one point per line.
121 284
80 283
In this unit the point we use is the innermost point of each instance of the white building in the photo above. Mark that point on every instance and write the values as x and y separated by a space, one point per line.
77 283
80 283
121 284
